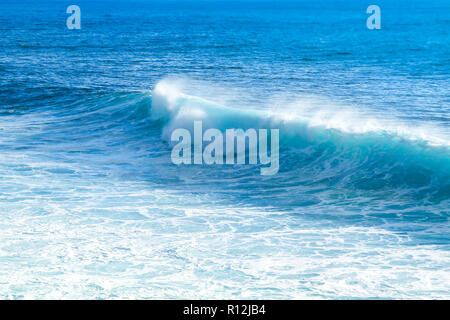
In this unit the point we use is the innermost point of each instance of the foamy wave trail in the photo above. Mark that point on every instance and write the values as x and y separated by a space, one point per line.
324 147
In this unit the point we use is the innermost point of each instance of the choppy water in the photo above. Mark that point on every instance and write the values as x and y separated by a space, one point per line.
92 207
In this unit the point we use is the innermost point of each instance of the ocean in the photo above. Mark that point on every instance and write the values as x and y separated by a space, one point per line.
92 207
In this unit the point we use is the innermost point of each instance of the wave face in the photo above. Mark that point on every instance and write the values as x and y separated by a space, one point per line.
91 205
324 147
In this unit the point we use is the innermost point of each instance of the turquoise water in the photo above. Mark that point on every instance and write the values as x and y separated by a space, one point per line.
91 205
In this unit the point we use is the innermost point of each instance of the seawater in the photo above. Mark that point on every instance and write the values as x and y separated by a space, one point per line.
91 205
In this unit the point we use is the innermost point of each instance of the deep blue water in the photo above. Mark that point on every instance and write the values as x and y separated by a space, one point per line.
91 205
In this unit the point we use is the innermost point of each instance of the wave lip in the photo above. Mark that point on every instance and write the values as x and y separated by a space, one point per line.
302 117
